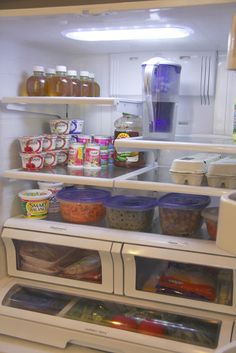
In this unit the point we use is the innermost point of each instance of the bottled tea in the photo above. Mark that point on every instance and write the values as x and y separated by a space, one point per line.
85 84
50 72
96 88
35 84
59 85
75 85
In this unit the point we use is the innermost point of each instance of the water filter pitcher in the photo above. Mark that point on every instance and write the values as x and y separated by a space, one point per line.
160 93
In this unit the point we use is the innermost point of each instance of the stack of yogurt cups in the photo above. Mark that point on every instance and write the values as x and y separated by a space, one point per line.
91 152
49 150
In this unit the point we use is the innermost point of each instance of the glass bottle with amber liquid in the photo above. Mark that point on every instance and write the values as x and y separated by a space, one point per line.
75 84
50 72
95 85
35 84
59 85
85 84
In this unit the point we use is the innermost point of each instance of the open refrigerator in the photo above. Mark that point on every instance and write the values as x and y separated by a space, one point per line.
122 304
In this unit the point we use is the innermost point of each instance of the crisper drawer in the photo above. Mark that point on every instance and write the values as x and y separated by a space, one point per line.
59 316
71 261
180 277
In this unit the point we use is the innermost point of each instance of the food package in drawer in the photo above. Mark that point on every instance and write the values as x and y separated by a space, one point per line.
222 173
45 258
38 300
192 169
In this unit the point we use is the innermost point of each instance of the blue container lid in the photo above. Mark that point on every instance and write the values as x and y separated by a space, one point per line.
184 201
131 203
76 194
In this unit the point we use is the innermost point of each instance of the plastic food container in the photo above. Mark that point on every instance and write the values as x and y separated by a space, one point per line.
35 203
210 215
222 173
82 205
130 212
180 214
31 144
32 162
59 126
192 169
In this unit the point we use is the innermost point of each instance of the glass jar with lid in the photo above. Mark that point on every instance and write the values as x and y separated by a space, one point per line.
128 125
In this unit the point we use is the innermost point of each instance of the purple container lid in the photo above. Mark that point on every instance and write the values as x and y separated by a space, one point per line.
131 203
76 194
184 201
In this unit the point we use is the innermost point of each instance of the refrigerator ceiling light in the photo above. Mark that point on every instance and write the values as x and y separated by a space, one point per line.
128 34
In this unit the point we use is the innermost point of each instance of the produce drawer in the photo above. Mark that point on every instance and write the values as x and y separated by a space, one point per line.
171 276
109 322
71 261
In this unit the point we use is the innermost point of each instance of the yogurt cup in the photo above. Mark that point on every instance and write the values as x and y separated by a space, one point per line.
32 162
35 203
50 159
31 144
63 141
59 126
62 157
76 126
49 142
54 206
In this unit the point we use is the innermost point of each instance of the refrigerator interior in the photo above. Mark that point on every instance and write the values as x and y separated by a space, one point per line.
36 40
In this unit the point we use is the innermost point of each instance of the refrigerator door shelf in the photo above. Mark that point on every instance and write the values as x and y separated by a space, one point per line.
56 315
196 280
72 261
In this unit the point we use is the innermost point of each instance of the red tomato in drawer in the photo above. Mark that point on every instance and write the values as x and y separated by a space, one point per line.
123 322
151 327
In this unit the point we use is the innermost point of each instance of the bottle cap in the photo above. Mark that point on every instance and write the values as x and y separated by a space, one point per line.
72 73
38 68
50 70
61 68
91 75
84 73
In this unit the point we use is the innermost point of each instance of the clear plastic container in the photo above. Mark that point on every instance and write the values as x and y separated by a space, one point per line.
130 212
35 84
180 214
210 215
128 125
82 205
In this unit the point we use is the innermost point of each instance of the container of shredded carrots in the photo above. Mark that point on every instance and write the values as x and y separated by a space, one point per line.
82 205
